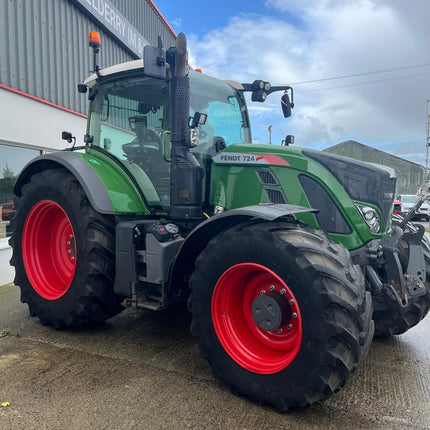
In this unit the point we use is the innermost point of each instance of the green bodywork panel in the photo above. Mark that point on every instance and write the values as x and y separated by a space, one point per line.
235 183
123 193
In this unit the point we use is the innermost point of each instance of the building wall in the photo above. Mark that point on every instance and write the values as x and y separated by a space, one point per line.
410 176
44 45
44 54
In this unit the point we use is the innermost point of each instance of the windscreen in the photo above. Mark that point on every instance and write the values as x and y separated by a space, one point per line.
225 109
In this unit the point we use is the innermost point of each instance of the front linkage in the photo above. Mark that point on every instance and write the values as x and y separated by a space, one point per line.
396 274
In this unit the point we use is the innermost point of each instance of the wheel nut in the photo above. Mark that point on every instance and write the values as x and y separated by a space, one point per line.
272 288
68 243
72 258
283 291
289 326
69 251
293 315
262 292
71 236
278 330
291 302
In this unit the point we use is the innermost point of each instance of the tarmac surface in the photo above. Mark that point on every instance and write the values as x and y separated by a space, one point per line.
142 370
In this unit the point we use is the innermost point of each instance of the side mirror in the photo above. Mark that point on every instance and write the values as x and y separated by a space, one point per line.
286 105
154 60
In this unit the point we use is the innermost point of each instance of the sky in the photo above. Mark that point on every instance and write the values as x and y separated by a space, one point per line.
288 42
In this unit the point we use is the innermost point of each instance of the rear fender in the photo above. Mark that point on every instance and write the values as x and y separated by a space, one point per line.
91 182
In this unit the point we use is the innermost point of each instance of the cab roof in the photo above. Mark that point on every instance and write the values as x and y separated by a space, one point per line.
132 66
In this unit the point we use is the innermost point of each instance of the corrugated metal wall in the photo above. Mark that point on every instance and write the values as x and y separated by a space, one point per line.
44 46
142 15
410 176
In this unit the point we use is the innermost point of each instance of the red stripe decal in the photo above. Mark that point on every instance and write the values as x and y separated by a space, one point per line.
275 160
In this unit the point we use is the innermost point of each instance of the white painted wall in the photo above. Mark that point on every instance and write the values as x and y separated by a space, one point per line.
7 273
25 121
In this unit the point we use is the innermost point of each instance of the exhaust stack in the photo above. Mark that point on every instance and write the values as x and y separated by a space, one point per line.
186 174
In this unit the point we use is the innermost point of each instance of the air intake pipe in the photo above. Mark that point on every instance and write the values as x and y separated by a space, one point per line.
186 174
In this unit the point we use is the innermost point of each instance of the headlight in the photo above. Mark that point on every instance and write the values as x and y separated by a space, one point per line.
371 217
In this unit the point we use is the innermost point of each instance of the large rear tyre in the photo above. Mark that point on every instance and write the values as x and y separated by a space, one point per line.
280 312
63 252
393 322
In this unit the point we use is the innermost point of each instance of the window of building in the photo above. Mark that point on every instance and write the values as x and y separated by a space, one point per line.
12 160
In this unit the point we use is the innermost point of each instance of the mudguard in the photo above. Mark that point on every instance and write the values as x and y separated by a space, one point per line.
89 179
84 173
198 238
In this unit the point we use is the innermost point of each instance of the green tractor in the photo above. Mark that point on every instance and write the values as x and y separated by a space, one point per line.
290 259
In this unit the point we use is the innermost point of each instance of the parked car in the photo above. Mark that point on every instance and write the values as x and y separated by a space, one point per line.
408 200
7 210
397 207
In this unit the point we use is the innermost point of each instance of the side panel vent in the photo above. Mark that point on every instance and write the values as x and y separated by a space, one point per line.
267 178
275 196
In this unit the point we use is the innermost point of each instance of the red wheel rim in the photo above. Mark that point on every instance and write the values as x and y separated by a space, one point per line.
49 250
245 342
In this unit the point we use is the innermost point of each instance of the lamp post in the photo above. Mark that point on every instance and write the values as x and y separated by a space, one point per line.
427 140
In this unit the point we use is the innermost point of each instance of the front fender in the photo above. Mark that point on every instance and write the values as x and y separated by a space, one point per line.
198 238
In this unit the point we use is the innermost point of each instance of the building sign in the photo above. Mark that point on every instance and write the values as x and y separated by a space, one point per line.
115 22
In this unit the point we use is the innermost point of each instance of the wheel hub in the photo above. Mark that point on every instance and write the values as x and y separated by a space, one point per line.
271 311
49 249
257 318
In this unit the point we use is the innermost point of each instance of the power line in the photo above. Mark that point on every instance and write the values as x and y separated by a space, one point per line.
364 83
360 74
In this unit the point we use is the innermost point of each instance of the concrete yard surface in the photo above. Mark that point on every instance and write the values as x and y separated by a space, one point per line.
142 370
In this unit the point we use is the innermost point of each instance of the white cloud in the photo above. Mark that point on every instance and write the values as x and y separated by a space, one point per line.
176 22
331 38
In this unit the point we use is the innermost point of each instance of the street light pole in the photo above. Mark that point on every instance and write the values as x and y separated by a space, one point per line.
427 140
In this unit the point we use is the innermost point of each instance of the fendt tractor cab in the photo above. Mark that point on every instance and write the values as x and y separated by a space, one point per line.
290 259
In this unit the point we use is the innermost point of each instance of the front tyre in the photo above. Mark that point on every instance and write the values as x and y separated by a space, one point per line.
63 252
280 313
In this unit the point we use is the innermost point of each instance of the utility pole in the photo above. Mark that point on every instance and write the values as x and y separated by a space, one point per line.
270 132
427 140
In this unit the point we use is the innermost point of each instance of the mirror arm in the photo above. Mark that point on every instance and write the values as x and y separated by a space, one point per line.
250 88
283 88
